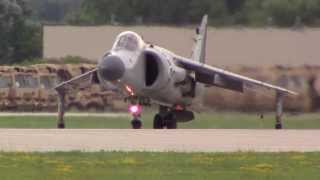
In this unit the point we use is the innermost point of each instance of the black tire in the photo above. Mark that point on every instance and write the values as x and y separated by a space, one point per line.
61 126
171 121
158 122
136 124
278 126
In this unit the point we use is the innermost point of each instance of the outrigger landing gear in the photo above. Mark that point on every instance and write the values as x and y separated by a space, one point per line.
279 110
165 118
61 109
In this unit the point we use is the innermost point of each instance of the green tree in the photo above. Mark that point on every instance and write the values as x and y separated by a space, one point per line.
234 5
222 12
20 38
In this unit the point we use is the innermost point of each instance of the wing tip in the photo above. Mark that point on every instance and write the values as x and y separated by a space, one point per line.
288 92
205 18
294 93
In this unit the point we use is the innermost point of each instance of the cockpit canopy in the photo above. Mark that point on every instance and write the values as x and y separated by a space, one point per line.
129 41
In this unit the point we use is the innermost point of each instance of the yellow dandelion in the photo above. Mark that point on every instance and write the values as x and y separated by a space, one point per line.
63 168
258 168
298 157
128 161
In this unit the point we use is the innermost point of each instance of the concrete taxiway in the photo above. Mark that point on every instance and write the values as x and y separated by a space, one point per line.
68 114
187 140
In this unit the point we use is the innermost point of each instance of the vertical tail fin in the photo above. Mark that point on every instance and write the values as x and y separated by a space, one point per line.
199 49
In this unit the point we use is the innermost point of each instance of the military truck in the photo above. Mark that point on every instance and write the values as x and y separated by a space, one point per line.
18 89
6 88
303 80
47 79
31 89
89 99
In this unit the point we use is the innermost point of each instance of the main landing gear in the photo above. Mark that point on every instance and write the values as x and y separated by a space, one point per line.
165 118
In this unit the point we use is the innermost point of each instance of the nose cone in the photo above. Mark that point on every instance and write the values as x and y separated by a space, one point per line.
111 68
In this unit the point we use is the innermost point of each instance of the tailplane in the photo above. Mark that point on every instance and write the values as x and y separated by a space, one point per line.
199 49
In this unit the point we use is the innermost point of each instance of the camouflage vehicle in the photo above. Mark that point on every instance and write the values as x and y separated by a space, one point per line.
47 79
314 91
6 86
31 89
18 89
317 92
90 99
251 100
26 88
297 78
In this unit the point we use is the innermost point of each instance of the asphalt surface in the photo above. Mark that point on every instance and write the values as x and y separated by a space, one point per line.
213 140
67 114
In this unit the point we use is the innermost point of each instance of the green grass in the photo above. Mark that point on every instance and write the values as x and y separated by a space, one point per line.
229 120
153 166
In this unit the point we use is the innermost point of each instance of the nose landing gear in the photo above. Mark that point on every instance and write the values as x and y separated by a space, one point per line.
135 110
136 123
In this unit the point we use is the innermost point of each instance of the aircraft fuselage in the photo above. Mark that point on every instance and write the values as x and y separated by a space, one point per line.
146 70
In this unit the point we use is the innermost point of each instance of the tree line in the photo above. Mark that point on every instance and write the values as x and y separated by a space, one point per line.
20 20
54 11
283 13
20 38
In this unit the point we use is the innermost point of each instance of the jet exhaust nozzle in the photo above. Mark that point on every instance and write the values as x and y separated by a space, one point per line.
111 68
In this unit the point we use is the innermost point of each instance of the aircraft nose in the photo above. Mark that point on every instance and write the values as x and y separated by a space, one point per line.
111 68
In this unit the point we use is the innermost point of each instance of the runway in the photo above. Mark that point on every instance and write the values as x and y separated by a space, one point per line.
213 140
67 114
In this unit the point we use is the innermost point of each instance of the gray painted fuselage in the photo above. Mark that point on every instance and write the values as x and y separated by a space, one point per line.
170 85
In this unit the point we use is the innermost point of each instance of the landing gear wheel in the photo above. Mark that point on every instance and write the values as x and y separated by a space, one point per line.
136 124
158 122
171 121
61 126
278 126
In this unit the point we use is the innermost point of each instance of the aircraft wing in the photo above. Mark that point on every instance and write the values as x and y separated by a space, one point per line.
218 77
79 82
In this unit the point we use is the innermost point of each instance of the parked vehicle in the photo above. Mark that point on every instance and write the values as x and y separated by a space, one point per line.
31 89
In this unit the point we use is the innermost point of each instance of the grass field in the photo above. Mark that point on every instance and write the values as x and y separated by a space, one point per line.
149 166
227 120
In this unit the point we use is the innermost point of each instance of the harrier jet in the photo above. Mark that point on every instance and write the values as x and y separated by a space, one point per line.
146 73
